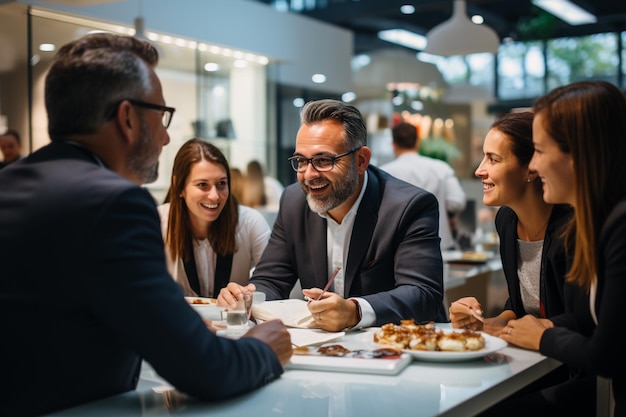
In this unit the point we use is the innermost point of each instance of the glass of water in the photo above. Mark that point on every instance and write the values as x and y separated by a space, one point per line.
237 318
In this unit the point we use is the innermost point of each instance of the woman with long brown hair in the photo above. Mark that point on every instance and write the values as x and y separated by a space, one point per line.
210 239
579 133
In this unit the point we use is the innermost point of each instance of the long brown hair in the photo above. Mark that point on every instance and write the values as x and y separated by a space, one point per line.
587 119
221 233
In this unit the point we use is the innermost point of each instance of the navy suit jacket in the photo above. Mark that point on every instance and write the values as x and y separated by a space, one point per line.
85 294
394 261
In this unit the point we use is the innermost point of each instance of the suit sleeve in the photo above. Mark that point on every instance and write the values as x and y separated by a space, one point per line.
136 299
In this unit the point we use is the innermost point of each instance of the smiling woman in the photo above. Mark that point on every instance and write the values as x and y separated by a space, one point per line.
210 239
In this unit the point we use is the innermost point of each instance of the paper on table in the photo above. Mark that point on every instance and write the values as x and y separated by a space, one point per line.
307 337
293 312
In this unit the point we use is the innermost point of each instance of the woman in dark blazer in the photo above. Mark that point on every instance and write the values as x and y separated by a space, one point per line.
534 262
533 256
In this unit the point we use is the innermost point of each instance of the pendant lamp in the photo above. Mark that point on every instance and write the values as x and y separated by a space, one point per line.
141 34
459 36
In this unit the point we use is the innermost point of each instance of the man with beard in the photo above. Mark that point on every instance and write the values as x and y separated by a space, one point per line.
381 232
84 291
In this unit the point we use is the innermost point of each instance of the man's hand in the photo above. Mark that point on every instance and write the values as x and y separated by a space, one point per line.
332 312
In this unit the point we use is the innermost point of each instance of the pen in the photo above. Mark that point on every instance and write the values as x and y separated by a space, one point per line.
330 281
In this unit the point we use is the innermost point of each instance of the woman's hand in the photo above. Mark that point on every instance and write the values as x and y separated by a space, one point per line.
233 292
526 332
466 313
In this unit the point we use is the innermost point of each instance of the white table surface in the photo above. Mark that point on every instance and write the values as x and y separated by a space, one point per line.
423 389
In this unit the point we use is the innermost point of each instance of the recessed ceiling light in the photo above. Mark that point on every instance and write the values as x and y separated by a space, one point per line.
404 38
348 97
566 11
47 47
407 9
318 78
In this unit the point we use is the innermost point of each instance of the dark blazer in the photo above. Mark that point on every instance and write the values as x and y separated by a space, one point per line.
394 261
85 294
553 261
577 341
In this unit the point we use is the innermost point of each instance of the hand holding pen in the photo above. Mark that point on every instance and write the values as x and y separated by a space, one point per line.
328 284
319 297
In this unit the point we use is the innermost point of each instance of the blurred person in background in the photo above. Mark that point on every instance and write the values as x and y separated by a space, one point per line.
431 174
11 147
261 191
210 238
237 184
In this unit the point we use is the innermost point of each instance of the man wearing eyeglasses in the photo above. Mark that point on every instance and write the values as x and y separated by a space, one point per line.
345 213
84 290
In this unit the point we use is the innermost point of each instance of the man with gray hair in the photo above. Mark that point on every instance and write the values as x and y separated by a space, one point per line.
85 293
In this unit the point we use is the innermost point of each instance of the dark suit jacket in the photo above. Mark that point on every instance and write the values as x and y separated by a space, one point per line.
568 387
85 294
553 261
394 261
576 340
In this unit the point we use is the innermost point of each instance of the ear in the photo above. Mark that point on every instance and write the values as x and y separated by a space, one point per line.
362 159
127 121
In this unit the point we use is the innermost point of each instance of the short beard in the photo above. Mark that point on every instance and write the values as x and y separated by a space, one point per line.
343 189
142 163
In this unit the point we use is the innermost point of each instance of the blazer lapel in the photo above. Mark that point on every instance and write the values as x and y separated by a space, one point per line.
316 232
364 224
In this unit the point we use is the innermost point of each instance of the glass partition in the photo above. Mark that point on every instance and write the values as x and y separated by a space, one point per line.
220 94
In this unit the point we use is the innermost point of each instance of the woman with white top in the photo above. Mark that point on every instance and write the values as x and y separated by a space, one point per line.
210 240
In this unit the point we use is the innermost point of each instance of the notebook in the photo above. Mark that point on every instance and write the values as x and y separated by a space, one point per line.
292 312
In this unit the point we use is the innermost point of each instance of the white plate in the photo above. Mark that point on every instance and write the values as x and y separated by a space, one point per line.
233 333
208 310
492 344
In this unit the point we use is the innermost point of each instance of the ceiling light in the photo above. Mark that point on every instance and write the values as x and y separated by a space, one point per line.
459 36
404 38
318 78
47 47
348 97
407 9
566 11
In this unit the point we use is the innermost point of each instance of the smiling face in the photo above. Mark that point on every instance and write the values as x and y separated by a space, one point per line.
503 177
339 187
555 167
206 193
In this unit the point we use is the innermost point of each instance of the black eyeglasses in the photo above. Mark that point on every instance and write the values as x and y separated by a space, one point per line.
168 112
321 163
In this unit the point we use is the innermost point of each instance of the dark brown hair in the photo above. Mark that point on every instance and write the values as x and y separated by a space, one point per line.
404 135
222 231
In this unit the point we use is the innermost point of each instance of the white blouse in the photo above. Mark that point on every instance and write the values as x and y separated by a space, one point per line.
253 233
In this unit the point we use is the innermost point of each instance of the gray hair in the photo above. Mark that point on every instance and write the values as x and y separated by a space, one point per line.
348 115
90 76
